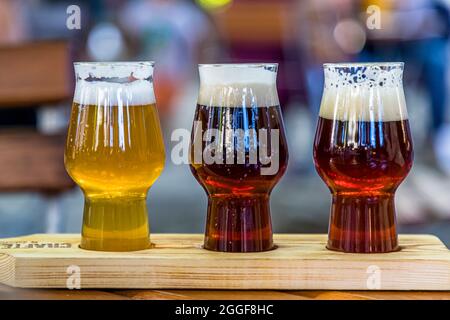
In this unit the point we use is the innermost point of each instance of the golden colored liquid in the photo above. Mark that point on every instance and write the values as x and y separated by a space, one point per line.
114 154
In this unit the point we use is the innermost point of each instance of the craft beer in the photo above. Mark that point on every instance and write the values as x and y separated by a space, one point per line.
363 151
239 115
114 152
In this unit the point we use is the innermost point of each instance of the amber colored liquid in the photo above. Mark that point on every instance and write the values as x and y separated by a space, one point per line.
114 154
363 163
238 218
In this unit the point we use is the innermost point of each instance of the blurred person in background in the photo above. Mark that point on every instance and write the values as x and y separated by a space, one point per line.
170 32
12 25
413 31
325 33
417 32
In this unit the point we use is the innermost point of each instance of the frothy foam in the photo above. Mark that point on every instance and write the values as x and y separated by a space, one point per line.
363 93
238 95
103 93
114 83
238 86
139 69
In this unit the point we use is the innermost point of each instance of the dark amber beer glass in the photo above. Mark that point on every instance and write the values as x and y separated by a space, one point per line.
114 152
363 151
238 153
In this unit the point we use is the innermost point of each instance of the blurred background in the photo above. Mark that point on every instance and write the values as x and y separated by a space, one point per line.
39 40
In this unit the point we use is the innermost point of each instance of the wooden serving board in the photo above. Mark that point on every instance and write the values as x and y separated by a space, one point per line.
178 261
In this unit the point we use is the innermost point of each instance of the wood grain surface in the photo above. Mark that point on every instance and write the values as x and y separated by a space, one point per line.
177 261
9 293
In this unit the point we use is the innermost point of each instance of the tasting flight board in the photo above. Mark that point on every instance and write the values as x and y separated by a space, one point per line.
300 262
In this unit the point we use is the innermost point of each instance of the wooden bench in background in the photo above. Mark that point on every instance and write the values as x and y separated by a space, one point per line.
32 75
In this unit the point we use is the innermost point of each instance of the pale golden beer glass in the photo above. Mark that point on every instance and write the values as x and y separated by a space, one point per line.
114 152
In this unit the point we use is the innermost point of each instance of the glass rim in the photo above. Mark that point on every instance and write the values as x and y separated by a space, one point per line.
398 64
114 63
238 65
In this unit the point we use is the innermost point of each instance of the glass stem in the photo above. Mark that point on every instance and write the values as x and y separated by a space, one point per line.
238 223
363 224
115 224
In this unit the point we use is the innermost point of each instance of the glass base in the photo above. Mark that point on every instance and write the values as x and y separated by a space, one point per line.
363 224
238 224
115 224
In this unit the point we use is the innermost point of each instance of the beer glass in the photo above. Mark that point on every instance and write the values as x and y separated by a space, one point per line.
238 153
363 151
114 152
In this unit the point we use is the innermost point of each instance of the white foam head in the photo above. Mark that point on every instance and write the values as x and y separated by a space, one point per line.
363 92
114 83
238 85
